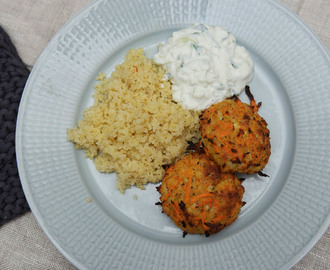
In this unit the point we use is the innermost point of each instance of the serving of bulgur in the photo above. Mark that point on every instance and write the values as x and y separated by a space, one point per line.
134 127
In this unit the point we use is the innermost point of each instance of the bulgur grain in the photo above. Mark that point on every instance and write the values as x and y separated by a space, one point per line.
134 127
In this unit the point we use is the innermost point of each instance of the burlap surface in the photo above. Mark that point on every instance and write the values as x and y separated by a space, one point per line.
31 24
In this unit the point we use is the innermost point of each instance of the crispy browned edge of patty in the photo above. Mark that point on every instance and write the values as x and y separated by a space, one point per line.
229 147
177 197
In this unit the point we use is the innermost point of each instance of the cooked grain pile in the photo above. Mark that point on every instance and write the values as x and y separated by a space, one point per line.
134 127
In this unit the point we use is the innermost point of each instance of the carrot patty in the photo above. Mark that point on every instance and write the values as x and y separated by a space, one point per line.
236 136
198 197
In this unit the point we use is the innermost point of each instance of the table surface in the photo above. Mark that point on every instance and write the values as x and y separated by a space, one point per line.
31 24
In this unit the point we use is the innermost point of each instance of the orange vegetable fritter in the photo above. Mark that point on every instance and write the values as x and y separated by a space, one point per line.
198 197
236 136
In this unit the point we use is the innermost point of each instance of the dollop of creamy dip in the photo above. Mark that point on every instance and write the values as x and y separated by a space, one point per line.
205 65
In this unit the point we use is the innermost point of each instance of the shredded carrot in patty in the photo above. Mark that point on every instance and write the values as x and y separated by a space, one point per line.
205 227
204 195
238 101
206 201
224 128
171 188
177 210
189 172
218 218
254 105
211 109
236 208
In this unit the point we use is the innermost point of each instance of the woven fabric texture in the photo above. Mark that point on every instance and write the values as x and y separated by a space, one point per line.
31 24
13 75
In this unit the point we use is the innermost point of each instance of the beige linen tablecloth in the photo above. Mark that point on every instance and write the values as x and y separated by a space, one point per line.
31 24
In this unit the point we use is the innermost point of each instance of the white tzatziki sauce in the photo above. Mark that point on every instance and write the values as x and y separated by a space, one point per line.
205 65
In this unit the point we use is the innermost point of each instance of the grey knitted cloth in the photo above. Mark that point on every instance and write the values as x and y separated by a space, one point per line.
13 75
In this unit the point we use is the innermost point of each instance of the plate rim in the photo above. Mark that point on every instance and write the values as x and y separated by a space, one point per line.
18 137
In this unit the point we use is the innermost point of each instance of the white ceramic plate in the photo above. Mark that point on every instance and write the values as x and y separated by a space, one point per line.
285 214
